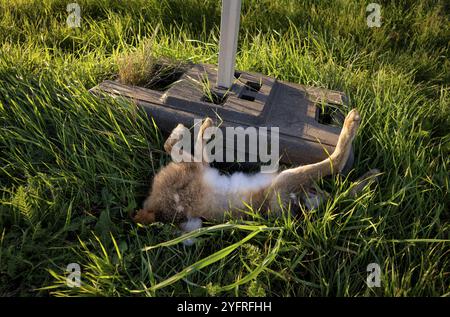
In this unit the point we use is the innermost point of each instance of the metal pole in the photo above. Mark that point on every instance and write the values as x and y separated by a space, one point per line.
229 28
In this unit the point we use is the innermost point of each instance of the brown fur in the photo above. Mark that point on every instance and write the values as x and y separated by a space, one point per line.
179 192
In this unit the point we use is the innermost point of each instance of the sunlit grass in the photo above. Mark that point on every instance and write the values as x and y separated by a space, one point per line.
73 165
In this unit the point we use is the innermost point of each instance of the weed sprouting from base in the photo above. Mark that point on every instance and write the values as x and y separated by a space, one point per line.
141 67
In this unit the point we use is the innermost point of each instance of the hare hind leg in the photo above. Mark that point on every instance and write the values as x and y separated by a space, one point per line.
295 178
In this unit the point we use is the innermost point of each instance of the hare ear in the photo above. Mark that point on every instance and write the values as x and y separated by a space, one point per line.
144 216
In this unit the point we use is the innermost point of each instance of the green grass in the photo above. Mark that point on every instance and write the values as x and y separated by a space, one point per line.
73 166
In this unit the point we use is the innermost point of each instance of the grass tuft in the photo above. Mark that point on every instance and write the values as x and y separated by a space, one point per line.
142 68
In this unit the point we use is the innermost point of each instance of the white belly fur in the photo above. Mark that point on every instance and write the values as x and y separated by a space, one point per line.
231 190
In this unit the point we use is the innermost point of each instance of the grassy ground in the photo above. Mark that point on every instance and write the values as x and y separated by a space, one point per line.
72 166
